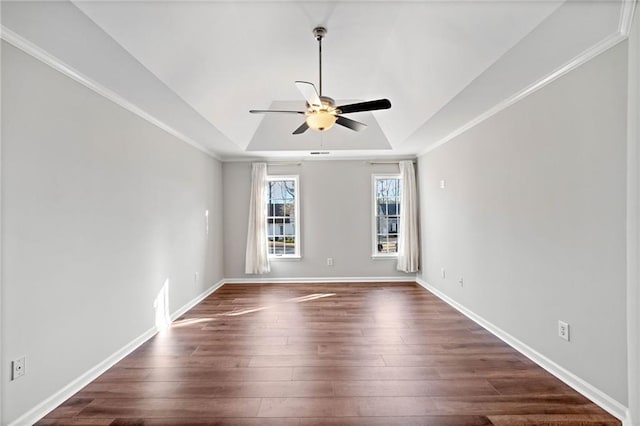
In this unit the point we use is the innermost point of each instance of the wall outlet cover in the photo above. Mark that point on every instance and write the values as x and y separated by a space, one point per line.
18 368
563 330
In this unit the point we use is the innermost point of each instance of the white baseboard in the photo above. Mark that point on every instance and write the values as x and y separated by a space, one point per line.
320 280
588 390
49 404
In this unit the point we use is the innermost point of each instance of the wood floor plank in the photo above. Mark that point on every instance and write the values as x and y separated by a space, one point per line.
398 421
67 421
554 420
137 390
281 389
252 350
413 388
365 373
70 407
502 405
172 407
346 407
208 421
351 340
317 361
548 385
195 360
221 374
348 354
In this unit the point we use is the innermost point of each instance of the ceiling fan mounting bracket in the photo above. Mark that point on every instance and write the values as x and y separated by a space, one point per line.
319 32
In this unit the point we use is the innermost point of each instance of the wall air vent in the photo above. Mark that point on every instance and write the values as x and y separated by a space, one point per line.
319 153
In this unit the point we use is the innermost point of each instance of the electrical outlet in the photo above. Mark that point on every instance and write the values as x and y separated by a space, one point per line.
329 261
195 278
443 273
563 330
17 368
443 184
461 282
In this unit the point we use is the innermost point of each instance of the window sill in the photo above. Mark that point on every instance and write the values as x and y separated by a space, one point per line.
384 257
285 258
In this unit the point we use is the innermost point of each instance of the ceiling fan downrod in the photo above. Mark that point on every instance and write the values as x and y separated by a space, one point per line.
319 33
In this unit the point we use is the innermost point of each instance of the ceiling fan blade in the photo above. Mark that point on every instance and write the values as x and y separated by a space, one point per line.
303 128
309 92
365 106
349 123
262 111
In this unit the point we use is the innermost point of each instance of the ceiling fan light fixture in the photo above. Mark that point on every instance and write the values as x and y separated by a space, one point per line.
321 120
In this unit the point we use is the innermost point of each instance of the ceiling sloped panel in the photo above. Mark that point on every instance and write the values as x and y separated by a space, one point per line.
72 42
438 48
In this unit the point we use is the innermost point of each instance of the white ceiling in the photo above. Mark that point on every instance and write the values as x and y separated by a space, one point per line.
197 67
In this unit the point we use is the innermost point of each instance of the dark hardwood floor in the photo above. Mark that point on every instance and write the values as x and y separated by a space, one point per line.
373 354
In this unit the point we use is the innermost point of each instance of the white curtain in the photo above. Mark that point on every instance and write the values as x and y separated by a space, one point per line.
257 257
408 246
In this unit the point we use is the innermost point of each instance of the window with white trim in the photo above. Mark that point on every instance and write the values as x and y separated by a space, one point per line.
283 226
386 215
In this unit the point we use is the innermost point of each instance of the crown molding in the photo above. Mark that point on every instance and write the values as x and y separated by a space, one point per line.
58 65
626 16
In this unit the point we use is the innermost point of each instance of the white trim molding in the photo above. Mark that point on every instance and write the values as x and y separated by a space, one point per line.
626 16
320 280
588 390
58 65
49 404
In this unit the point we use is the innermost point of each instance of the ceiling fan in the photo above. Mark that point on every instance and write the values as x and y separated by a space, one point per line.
322 112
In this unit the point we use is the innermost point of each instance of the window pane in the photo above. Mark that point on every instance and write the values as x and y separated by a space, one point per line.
282 217
387 210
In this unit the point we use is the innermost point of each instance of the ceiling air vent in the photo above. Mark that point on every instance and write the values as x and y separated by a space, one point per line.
319 153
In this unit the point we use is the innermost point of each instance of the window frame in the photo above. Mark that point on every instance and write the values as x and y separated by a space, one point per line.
298 249
374 215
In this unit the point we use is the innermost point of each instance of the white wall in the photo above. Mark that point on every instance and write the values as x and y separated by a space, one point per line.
533 217
99 209
335 204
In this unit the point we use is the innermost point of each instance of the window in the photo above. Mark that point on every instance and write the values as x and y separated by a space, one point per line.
283 226
386 215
